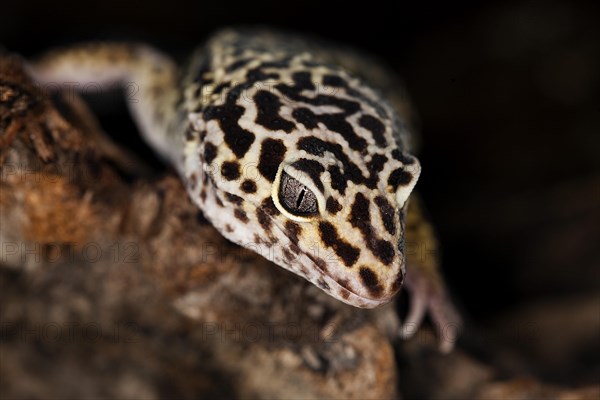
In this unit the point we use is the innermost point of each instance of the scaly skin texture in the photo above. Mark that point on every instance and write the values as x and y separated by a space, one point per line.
286 149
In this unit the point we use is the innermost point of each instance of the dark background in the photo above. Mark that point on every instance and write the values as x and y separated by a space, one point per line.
507 94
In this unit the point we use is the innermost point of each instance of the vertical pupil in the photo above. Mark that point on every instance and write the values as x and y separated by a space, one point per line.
295 197
300 198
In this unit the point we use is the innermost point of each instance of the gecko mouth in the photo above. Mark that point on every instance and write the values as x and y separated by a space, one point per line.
348 294
360 287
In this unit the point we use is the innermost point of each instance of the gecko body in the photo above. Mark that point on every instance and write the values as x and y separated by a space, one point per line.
283 144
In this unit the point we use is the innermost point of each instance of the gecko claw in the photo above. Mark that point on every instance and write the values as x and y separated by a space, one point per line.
416 314
447 321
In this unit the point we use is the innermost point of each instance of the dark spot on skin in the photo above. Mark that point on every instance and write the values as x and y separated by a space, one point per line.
348 253
203 195
293 231
272 152
261 241
386 211
230 170
211 180
345 283
257 74
399 177
269 207
272 240
237 138
302 80
338 123
376 164
189 133
218 201
376 128
228 228
219 88
322 284
303 269
193 180
237 64
334 81
384 251
241 215
248 186
267 115
202 136
344 293
319 262
210 152
295 248
403 158
288 255
397 284
305 117
332 205
197 95
338 181
370 281
322 264
232 198
263 219
313 168
360 218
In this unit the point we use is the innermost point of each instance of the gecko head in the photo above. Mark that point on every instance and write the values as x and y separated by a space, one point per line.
335 221
317 183
345 236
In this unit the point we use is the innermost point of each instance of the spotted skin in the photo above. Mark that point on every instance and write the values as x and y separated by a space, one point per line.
284 144
272 107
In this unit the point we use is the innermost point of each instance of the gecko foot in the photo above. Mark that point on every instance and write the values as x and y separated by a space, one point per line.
430 297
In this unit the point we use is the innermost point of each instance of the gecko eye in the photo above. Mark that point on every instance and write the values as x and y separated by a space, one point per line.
296 198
